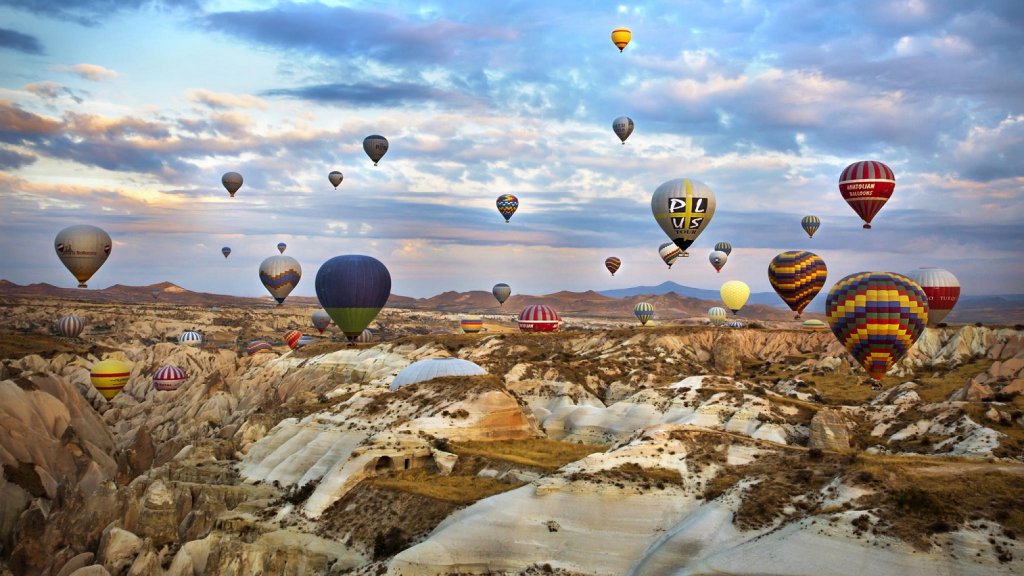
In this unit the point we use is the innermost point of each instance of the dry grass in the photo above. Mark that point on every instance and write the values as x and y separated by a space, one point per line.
454 489
940 388
538 453
14 346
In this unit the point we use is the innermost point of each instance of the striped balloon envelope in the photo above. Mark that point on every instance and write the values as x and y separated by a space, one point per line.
291 338
724 247
168 378
190 338
109 377
507 204
878 316
471 324
279 275
365 336
612 264
735 324
70 326
257 346
669 252
867 186
942 289
717 315
814 324
797 277
810 224
643 311
539 318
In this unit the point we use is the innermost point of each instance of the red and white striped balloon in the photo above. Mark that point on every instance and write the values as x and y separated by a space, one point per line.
168 378
866 186
942 289
539 318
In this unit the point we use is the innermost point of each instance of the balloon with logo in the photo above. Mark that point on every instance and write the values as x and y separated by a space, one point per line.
867 186
797 276
501 292
878 316
82 249
724 247
279 275
375 146
507 205
942 289
232 181
352 289
669 252
321 320
226 251
643 311
612 264
169 378
718 260
623 127
335 178
621 37
683 208
810 224
734 293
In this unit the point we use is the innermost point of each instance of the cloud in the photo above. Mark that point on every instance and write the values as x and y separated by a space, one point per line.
49 91
383 94
225 101
21 42
993 153
92 12
12 160
20 126
93 72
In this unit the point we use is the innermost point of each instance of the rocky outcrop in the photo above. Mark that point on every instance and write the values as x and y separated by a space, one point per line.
830 430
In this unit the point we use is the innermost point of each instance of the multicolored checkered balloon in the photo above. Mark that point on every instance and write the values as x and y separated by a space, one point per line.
797 277
878 316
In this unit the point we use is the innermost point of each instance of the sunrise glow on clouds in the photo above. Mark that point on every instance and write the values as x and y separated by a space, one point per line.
125 118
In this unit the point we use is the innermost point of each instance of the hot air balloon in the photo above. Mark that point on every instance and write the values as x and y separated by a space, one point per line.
621 37
724 247
291 338
257 346
814 324
365 336
321 320
612 264
866 186
797 277
70 326
623 127
501 292
232 181
735 324
281 247
718 259
226 251
353 289
431 368
304 341
82 249
169 378
507 205
810 224
375 146
471 324
539 318
669 252
734 294
190 338
336 178
280 274
878 316
717 315
683 209
155 294
643 311
942 289
110 376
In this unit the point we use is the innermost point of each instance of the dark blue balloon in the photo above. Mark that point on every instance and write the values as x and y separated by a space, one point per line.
352 289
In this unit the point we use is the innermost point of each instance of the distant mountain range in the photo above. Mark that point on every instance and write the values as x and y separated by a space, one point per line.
670 301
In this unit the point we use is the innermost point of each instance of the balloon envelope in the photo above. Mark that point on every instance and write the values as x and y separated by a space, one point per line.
683 208
291 338
644 311
168 378
623 127
867 186
353 289
501 292
669 253
734 293
109 377
281 247
232 181
539 318
717 315
621 37
375 146
718 259
810 224
797 277
507 205
279 275
612 264
226 251
942 289
82 249
321 320
878 316
190 338
724 247
471 324
335 178
70 326
257 346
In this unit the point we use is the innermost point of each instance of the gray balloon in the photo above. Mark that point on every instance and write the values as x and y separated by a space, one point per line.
335 178
232 181
623 126
375 146
501 292
683 208
82 250
718 259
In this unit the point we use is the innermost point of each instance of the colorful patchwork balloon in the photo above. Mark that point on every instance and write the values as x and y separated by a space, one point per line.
797 277
878 316
507 205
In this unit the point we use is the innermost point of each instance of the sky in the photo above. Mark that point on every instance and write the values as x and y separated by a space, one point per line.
125 113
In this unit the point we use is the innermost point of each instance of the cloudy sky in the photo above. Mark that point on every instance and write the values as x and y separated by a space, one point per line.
125 113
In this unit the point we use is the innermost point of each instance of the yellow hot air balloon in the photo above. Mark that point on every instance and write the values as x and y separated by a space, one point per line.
110 376
621 37
734 294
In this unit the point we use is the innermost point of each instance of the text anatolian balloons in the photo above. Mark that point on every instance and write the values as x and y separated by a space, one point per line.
866 186
375 146
683 208
82 249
